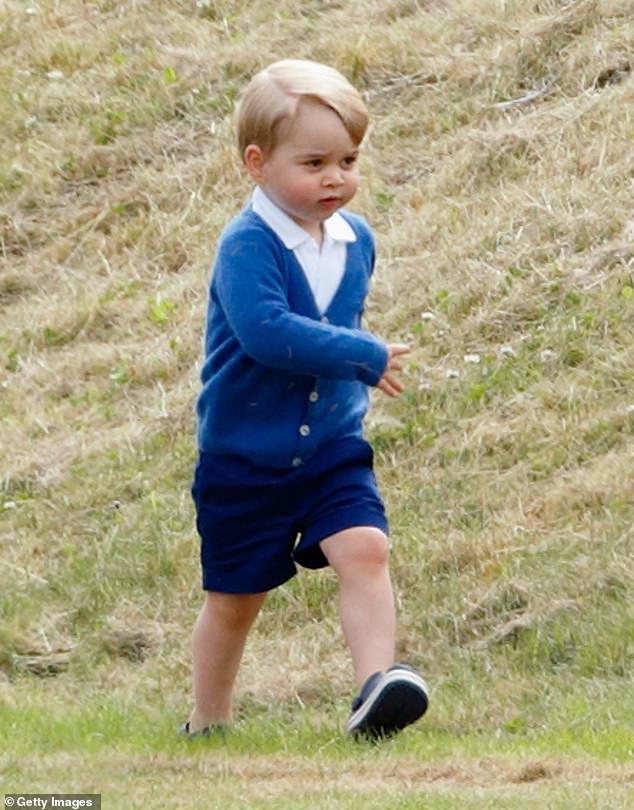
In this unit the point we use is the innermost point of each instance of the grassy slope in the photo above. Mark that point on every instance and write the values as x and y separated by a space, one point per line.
506 246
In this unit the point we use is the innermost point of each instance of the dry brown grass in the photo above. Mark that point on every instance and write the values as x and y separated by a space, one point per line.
96 234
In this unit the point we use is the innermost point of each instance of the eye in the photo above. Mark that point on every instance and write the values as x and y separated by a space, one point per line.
314 164
349 161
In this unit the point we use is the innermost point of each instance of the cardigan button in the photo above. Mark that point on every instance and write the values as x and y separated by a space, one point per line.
305 430
297 462
313 396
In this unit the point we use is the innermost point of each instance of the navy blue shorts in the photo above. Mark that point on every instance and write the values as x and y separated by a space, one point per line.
257 523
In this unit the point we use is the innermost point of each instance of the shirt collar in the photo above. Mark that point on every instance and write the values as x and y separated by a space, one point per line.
292 234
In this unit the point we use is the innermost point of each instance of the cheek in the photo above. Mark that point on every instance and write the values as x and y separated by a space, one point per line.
352 182
303 188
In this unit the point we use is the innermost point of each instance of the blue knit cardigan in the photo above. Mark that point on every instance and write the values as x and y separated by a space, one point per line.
279 378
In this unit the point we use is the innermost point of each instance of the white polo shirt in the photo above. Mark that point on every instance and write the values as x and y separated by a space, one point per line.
323 268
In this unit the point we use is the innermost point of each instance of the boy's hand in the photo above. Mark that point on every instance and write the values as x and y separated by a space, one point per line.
389 382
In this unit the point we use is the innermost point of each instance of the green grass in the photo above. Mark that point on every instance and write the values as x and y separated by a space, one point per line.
122 745
121 751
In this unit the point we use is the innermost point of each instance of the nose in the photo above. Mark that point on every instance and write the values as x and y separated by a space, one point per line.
333 176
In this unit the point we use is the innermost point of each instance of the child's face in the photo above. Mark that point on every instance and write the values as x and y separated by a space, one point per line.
313 171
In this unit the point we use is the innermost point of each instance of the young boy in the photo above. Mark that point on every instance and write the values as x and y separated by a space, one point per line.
284 475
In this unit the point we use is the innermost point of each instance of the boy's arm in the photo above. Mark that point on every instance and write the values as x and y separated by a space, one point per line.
251 291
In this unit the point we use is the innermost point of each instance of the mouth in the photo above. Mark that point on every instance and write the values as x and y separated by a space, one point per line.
329 202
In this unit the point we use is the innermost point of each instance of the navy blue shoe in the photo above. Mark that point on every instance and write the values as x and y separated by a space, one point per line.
201 733
388 702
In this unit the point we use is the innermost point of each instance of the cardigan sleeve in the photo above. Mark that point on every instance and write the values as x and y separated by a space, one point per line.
251 290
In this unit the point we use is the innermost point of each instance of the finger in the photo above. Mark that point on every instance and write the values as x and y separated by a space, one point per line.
392 384
384 386
394 380
398 348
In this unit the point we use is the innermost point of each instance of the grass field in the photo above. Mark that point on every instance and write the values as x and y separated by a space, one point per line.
498 174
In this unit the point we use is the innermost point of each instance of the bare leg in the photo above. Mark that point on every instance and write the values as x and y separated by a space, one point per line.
219 636
360 557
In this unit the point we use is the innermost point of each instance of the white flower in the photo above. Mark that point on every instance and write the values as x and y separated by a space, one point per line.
507 351
452 374
55 75
427 316
472 358
547 354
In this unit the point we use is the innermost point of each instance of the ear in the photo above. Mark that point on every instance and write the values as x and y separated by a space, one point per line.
254 161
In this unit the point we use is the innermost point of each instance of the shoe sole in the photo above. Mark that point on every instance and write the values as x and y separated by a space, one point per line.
398 700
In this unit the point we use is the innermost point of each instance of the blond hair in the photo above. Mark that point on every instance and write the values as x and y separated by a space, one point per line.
272 97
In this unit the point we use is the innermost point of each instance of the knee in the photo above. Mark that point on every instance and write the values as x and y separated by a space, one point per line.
375 547
360 548
233 610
